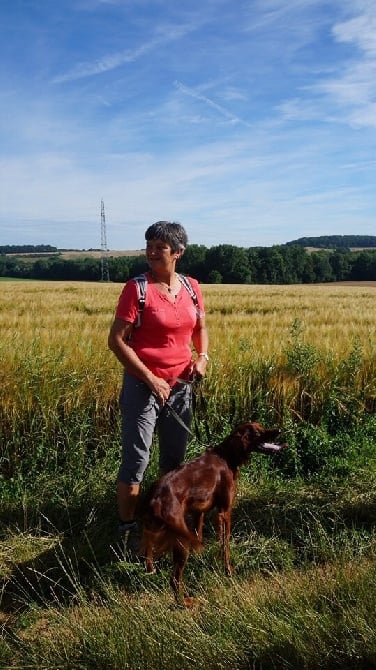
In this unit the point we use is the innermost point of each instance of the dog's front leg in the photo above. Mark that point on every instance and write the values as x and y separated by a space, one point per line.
147 550
224 527
149 562
180 553
198 518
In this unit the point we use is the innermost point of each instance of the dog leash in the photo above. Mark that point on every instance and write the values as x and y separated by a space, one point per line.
194 383
176 416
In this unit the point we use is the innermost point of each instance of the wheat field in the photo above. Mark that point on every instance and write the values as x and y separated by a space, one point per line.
278 354
55 334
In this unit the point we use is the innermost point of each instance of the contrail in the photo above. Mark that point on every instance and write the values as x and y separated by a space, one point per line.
165 35
222 110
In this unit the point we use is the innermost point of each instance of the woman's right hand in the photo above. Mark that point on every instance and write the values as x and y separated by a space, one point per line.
160 388
117 342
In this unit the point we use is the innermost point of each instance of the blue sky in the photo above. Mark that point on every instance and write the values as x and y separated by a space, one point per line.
252 122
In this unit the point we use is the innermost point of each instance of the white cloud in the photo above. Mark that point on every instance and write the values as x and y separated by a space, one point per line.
346 92
360 30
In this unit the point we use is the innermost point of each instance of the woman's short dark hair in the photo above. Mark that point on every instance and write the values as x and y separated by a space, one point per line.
168 231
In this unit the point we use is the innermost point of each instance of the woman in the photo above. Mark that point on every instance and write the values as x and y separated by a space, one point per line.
157 360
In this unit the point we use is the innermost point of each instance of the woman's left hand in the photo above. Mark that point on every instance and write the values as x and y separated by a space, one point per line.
199 367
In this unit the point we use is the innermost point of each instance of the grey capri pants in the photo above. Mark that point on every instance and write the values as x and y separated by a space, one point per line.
142 414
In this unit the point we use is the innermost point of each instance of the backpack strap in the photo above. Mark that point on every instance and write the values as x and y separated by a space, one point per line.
185 281
141 283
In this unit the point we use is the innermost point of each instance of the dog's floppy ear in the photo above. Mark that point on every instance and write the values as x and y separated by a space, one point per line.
244 433
248 431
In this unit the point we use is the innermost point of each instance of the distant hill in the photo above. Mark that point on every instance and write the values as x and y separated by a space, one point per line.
32 253
336 242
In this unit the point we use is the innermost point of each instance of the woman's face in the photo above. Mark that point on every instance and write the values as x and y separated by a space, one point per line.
159 254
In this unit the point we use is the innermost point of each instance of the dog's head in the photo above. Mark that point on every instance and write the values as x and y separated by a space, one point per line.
251 436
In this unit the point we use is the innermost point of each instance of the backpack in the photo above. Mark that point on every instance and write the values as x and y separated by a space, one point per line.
142 282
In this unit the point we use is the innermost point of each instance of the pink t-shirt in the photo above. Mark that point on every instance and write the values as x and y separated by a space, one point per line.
163 341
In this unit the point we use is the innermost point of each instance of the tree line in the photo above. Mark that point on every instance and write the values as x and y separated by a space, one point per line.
27 249
221 264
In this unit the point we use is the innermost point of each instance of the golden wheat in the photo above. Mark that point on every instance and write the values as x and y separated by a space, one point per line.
54 335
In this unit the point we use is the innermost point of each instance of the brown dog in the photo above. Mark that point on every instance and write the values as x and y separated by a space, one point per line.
205 483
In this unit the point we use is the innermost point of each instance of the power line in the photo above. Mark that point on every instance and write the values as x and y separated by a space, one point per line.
105 273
